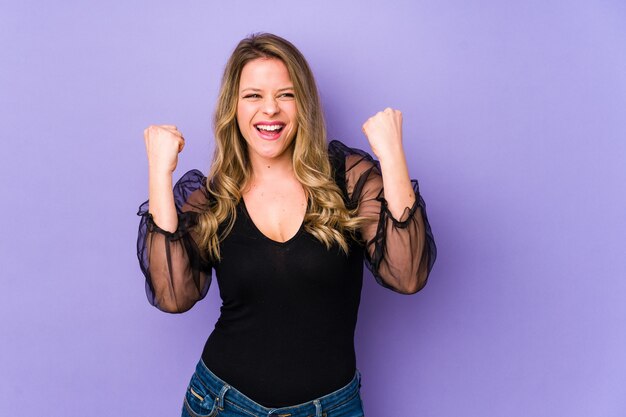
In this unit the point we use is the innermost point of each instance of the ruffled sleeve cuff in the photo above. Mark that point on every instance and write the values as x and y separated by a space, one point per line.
402 249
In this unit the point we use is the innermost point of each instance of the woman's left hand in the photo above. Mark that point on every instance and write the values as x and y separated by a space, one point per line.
384 133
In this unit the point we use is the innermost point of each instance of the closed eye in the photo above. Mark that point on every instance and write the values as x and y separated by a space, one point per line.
286 95
252 96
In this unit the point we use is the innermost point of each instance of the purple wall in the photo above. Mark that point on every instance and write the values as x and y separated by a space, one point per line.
514 124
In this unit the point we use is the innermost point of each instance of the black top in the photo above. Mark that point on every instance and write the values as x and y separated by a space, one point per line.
285 334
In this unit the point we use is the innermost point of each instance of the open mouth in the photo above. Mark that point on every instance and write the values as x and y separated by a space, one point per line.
270 130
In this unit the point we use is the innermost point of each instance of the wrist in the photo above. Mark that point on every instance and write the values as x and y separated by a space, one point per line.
391 156
159 171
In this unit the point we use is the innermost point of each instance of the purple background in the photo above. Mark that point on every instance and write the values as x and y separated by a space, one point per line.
514 125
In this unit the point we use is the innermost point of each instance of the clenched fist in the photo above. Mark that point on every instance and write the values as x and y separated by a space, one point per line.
163 143
384 132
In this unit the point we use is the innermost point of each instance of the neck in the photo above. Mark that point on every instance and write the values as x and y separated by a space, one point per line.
272 169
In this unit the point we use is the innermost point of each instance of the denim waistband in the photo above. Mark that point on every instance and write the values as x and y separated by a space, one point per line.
226 393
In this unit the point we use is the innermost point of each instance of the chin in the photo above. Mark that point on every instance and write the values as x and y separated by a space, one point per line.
271 152
271 149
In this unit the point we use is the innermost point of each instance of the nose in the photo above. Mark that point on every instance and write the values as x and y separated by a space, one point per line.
270 106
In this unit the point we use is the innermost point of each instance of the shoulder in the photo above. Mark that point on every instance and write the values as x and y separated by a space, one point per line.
346 158
190 192
352 169
352 164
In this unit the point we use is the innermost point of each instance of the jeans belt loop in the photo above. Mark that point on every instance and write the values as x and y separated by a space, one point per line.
318 408
220 398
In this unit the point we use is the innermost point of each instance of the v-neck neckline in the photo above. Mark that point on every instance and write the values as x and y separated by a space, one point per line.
263 235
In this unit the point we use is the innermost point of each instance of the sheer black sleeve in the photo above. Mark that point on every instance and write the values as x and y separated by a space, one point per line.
399 252
176 275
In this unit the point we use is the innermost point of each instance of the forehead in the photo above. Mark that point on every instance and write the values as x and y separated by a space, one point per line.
264 73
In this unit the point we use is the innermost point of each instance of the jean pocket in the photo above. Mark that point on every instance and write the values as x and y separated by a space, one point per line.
199 401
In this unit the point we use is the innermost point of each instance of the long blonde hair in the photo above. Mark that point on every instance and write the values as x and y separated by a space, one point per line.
327 218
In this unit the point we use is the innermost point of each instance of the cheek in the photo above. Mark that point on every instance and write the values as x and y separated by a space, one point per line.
293 130
239 115
242 120
292 111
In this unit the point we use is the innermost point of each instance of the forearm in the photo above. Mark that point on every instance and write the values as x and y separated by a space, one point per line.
397 185
384 133
161 197
403 266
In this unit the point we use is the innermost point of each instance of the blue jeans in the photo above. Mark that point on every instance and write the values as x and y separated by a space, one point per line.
209 396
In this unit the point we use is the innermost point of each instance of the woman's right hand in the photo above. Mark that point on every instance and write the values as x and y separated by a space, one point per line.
163 144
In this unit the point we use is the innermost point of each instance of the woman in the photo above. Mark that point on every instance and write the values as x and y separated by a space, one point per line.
286 221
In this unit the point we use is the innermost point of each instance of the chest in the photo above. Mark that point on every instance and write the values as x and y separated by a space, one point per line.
255 269
278 210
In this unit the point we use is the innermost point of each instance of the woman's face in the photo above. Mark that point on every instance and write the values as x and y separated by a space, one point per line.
266 109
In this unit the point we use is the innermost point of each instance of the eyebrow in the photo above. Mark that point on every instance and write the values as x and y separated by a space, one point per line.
258 89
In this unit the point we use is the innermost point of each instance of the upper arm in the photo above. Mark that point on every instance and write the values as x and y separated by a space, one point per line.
177 275
399 252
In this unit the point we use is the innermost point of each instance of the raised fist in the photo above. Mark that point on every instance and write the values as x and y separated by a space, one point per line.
163 143
384 132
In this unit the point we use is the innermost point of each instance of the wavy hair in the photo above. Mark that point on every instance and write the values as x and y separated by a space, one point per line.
327 217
